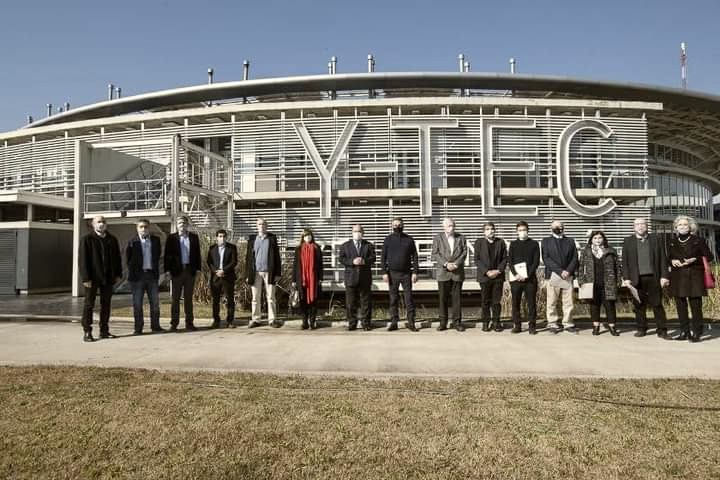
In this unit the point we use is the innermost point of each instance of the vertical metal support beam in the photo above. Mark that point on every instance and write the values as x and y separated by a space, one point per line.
174 182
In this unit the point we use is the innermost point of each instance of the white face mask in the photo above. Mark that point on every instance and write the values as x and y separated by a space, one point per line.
357 236
490 234
307 238
100 227
683 229
522 234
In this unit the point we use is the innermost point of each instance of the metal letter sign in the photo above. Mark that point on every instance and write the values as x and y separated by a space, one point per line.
424 127
563 169
488 165
326 172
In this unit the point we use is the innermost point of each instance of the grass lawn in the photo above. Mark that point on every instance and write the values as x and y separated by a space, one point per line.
77 422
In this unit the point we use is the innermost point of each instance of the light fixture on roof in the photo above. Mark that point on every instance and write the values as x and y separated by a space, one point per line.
261 117
214 120
170 123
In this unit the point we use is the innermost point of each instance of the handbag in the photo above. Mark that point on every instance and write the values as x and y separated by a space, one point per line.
586 290
294 297
708 277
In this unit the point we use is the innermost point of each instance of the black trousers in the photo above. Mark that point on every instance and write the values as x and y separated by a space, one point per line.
106 292
309 310
404 279
610 312
182 285
357 304
650 294
223 286
529 289
697 315
491 294
450 290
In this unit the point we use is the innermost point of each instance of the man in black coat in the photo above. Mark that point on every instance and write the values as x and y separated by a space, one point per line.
645 268
358 257
222 260
400 264
182 262
491 259
263 267
559 253
142 254
525 251
100 268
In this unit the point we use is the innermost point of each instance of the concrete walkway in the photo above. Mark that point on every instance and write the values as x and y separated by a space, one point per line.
334 351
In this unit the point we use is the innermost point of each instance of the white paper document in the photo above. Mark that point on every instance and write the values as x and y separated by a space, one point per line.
521 269
558 282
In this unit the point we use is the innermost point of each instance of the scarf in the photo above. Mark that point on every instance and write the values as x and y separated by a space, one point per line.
309 275
597 251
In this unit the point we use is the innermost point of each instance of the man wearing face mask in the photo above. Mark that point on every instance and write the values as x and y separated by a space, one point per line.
222 260
525 251
644 267
358 257
560 256
100 268
491 260
182 262
142 254
263 267
400 264
449 251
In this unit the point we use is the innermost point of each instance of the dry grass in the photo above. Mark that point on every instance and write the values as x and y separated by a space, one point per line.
115 423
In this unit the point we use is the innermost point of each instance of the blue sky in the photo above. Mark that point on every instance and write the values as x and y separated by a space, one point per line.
57 51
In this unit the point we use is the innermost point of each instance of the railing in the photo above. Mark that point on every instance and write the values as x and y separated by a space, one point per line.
125 195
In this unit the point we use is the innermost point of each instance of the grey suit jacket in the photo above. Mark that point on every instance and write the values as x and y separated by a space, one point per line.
441 255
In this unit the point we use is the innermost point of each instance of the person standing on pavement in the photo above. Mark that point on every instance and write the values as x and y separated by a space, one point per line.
400 264
182 262
222 260
142 255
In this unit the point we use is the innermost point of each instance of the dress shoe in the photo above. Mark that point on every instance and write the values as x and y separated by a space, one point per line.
486 326
683 336
596 330
215 324
392 327
613 331
87 337
640 332
694 337
313 324
137 332
277 324
253 324
107 335
442 327
411 326
231 325
173 328
459 326
352 327
367 327
498 326
305 324
516 328
532 330
190 327
662 333
158 329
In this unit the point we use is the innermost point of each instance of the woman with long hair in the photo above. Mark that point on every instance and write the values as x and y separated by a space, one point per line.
599 267
687 275
307 277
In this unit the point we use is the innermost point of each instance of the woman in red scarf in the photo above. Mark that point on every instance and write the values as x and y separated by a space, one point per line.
307 275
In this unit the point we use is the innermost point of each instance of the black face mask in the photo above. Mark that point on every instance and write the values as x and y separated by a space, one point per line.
397 229
557 231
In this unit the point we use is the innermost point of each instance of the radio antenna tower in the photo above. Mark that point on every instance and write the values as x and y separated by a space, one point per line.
683 65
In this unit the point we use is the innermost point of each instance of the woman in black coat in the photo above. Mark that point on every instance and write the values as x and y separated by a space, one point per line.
599 265
687 284
307 277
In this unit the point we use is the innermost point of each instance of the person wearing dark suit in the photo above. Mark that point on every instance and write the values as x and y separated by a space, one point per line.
358 257
491 260
645 267
182 262
560 257
400 267
449 251
100 268
142 255
524 250
307 277
263 267
222 260
687 275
